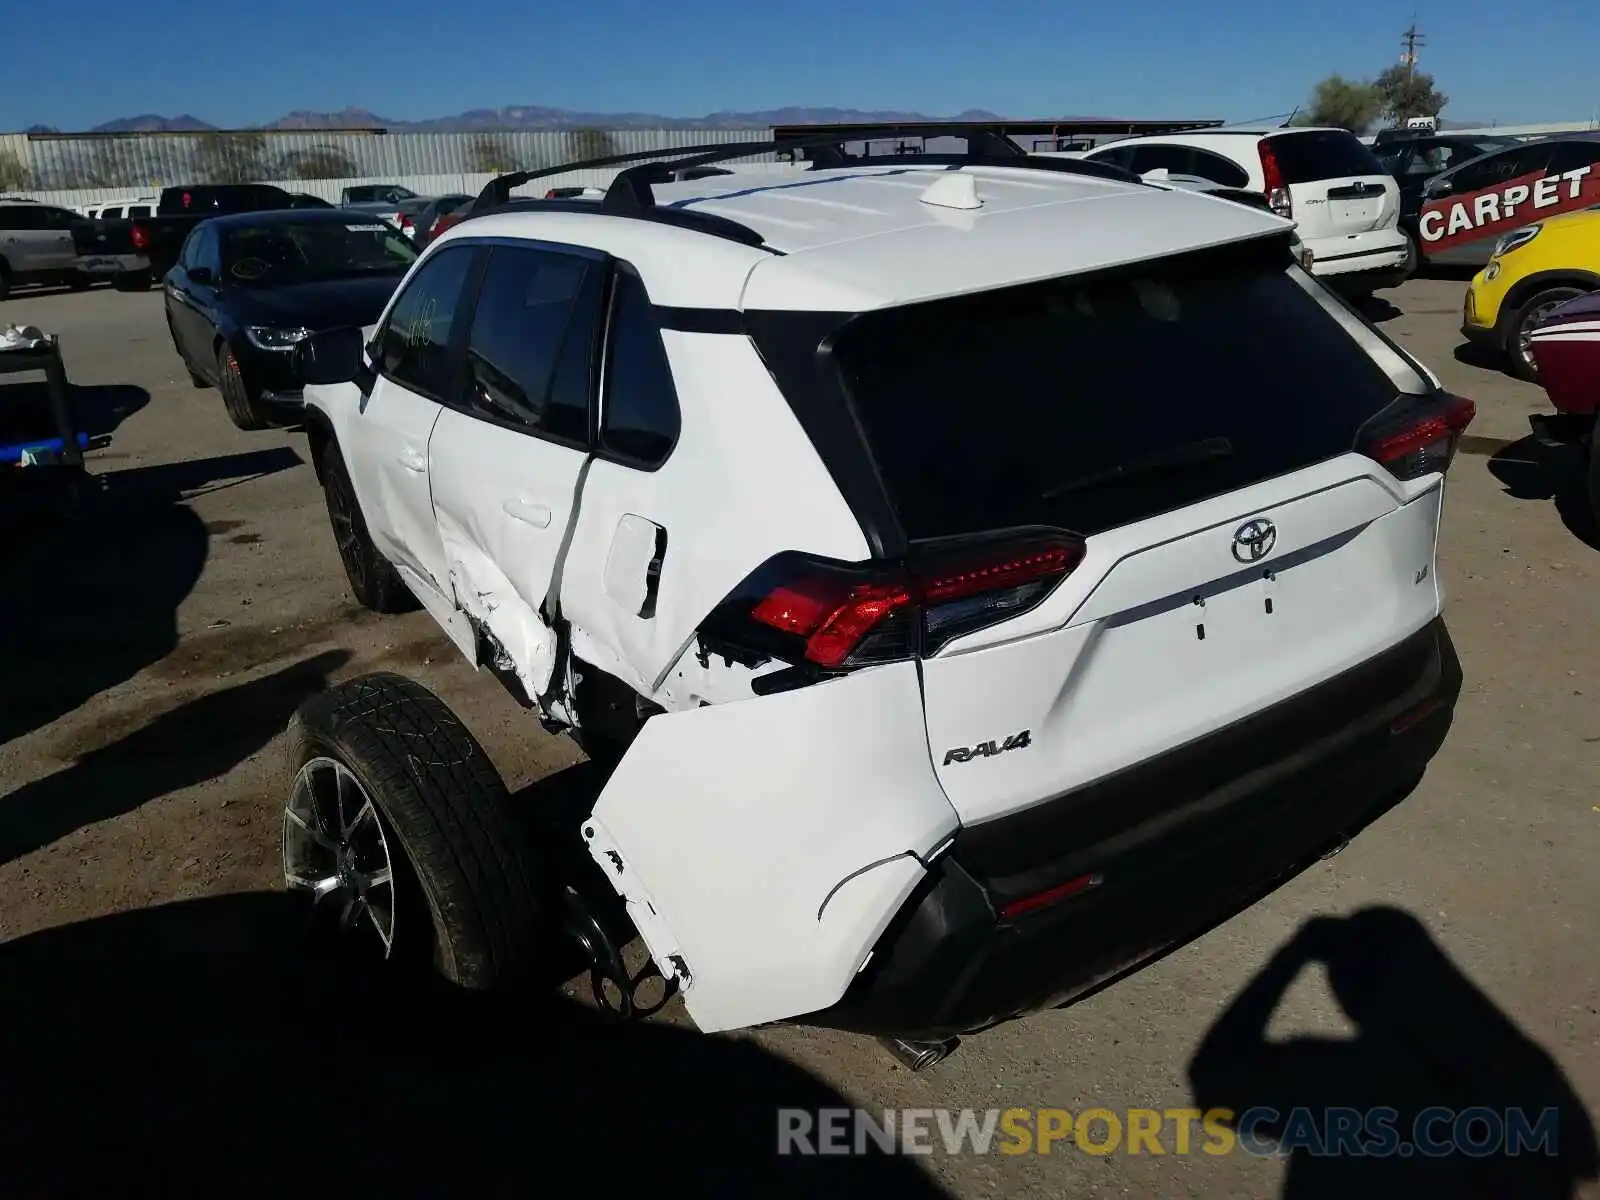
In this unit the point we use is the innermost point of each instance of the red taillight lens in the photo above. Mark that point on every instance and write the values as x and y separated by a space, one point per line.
1062 891
140 235
1277 190
837 616
1422 441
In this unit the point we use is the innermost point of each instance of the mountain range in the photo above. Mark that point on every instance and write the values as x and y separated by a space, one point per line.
529 117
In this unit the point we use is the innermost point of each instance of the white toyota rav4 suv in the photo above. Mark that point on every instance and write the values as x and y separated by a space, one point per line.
978 574
1346 205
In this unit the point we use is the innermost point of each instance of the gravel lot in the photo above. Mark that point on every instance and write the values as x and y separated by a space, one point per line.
153 657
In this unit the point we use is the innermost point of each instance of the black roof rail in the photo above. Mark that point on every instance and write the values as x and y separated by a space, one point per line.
630 192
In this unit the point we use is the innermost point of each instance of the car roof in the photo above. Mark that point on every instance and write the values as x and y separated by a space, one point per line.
861 237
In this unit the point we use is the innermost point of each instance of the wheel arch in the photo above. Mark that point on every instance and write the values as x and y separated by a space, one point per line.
320 435
1523 289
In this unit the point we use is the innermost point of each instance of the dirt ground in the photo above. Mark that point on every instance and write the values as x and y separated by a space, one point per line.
152 657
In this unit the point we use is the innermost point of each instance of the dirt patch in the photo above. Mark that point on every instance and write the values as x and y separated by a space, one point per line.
245 539
236 648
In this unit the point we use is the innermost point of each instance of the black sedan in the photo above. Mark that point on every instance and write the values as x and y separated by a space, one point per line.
248 288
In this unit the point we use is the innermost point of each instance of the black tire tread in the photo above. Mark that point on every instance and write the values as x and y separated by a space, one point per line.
243 409
1594 475
383 591
451 810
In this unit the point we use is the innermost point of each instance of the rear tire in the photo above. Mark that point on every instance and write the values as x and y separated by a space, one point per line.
383 770
132 281
374 582
5 280
1514 340
243 404
1594 474
79 283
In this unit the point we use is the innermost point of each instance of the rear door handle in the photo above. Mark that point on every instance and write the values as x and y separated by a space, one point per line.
413 459
537 515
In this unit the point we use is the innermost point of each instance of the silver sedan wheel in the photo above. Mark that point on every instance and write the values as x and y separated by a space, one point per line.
335 847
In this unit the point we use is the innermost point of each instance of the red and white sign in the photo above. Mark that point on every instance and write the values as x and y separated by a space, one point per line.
1452 220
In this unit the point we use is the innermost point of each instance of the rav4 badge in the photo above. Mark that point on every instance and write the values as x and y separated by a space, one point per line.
961 754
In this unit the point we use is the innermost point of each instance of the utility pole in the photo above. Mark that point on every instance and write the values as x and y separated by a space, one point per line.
1408 59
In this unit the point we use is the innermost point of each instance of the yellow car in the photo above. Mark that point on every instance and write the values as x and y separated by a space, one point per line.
1531 271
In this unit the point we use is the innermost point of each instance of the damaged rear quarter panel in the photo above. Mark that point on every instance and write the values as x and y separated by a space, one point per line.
770 841
743 483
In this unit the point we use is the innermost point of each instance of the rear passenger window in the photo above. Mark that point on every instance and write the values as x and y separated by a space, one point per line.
1172 159
139 210
1219 170
531 348
415 342
111 214
639 415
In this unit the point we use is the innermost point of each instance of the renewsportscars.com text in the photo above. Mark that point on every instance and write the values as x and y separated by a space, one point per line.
1262 1132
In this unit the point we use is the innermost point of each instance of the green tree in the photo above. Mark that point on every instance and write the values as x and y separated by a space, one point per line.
1407 92
231 158
319 162
14 173
589 142
492 154
1343 103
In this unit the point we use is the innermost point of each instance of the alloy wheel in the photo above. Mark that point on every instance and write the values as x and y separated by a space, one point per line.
336 848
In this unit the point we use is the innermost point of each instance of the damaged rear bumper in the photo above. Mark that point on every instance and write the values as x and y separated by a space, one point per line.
1204 830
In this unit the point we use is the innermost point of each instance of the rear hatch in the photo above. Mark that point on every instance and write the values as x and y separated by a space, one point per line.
1334 185
1154 470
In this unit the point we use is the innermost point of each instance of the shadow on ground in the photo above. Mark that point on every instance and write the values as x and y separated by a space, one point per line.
86 604
1531 471
97 409
1472 354
1377 309
194 1049
1427 1039
189 744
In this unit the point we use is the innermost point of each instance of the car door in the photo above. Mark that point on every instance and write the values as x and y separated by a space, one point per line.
627 587
415 354
508 454
55 250
1467 202
191 296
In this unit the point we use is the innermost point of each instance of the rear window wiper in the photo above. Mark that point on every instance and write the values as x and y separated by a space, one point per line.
1185 455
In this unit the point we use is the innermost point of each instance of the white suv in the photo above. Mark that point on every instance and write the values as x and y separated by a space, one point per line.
980 574
1346 205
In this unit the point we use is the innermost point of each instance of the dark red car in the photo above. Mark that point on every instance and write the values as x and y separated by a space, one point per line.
1566 347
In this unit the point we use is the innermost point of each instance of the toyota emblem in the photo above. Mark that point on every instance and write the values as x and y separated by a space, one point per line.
1254 540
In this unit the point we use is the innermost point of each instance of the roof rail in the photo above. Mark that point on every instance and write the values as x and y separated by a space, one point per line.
630 192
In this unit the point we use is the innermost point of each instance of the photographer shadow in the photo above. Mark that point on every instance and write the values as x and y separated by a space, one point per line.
1427 1041
206 1048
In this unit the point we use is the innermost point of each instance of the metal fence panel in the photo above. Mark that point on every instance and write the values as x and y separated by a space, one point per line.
131 164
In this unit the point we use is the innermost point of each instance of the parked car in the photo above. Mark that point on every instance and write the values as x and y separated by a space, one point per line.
44 243
247 288
1531 271
1566 347
1469 208
119 210
427 217
385 196
1413 157
180 209
307 200
940 679
1346 205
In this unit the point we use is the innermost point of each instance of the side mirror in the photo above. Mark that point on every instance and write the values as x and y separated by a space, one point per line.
332 356
201 275
1438 187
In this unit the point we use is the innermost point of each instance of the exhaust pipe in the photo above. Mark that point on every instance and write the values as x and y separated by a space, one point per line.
918 1056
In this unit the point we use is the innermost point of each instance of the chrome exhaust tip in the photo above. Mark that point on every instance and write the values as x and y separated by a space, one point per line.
918 1056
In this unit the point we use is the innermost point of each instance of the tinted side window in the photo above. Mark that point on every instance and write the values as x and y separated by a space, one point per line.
639 419
18 216
414 345
111 214
1218 169
139 210
1119 157
1571 156
1482 174
531 346
1175 159
1531 159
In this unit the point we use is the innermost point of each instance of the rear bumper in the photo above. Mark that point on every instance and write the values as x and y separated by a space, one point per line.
1184 842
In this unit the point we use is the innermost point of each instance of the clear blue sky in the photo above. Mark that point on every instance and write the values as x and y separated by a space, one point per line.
241 64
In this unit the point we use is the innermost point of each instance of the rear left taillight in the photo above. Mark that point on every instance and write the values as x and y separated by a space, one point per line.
140 233
1423 439
840 616
1277 190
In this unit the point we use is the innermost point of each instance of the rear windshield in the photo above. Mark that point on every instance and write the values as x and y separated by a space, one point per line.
1091 403
1320 154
